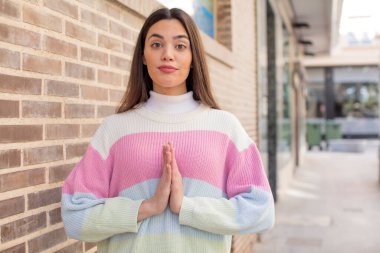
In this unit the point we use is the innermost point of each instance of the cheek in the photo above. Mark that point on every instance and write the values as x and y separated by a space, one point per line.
187 60
149 56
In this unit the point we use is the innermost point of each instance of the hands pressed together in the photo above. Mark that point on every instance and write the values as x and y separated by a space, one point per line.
169 191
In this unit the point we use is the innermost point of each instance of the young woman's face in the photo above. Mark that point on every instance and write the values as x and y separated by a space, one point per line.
167 55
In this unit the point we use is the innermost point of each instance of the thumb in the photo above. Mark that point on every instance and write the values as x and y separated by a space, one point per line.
171 148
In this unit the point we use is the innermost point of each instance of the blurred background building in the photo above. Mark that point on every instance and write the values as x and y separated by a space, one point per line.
343 82
281 66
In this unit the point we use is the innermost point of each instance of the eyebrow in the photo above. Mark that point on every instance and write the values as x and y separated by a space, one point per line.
180 36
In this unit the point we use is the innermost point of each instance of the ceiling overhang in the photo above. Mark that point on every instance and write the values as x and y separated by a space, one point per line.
322 18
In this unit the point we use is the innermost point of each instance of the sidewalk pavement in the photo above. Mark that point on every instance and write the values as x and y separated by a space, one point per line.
332 205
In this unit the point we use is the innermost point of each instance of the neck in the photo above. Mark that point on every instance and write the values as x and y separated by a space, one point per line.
171 104
170 91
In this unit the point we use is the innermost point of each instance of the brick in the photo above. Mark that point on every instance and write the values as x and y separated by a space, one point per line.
9 59
88 130
60 47
59 173
47 240
63 7
80 33
21 179
130 18
21 227
61 131
79 111
55 216
9 9
42 19
44 198
12 206
20 85
19 36
109 9
105 110
94 19
20 248
134 36
94 93
116 95
41 64
90 3
61 89
79 71
119 62
43 154
9 109
73 248
128 49
109 77
125 80
20 133
94 56
89 245
76 150
36 2
120 30
10 158
41 109
110 43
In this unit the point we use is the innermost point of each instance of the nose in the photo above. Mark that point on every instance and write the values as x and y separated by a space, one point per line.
167 54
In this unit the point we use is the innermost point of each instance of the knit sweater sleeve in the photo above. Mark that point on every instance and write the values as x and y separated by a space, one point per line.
88 213
248 206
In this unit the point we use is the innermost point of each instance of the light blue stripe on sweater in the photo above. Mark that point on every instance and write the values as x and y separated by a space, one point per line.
166 222
191 188
253 207
74 210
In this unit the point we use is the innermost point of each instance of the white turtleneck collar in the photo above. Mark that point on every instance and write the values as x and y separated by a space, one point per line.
171 104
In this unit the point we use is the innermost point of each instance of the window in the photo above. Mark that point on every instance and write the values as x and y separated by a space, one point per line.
356 91
213 17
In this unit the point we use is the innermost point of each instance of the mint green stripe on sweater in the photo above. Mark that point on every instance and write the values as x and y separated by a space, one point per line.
166 243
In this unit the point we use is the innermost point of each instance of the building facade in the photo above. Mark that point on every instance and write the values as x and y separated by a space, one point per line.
64 66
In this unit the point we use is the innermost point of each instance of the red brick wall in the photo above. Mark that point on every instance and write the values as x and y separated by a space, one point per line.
63 67
223 23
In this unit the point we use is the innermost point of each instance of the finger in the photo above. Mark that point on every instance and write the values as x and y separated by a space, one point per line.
168 169
164 150
168 157
171 147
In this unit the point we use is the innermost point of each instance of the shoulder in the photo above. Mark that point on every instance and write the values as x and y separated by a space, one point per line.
112 128
113 119
227 118
228 123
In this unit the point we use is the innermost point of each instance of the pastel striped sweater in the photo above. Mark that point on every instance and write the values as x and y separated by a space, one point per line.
225 186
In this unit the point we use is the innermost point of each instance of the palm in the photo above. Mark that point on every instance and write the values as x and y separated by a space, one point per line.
176 189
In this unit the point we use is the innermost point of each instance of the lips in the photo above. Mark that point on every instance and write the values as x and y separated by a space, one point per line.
167 69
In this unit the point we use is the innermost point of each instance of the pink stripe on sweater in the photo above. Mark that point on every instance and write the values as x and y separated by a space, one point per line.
247 171
202 155
90 175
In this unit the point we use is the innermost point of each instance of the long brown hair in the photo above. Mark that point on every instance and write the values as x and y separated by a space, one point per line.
140 83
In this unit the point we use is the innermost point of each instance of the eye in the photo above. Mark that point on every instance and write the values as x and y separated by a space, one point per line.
181 46
156 45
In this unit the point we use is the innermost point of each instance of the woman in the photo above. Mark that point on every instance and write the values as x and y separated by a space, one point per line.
170 172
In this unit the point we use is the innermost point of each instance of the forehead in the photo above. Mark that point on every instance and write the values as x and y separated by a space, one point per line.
168 28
